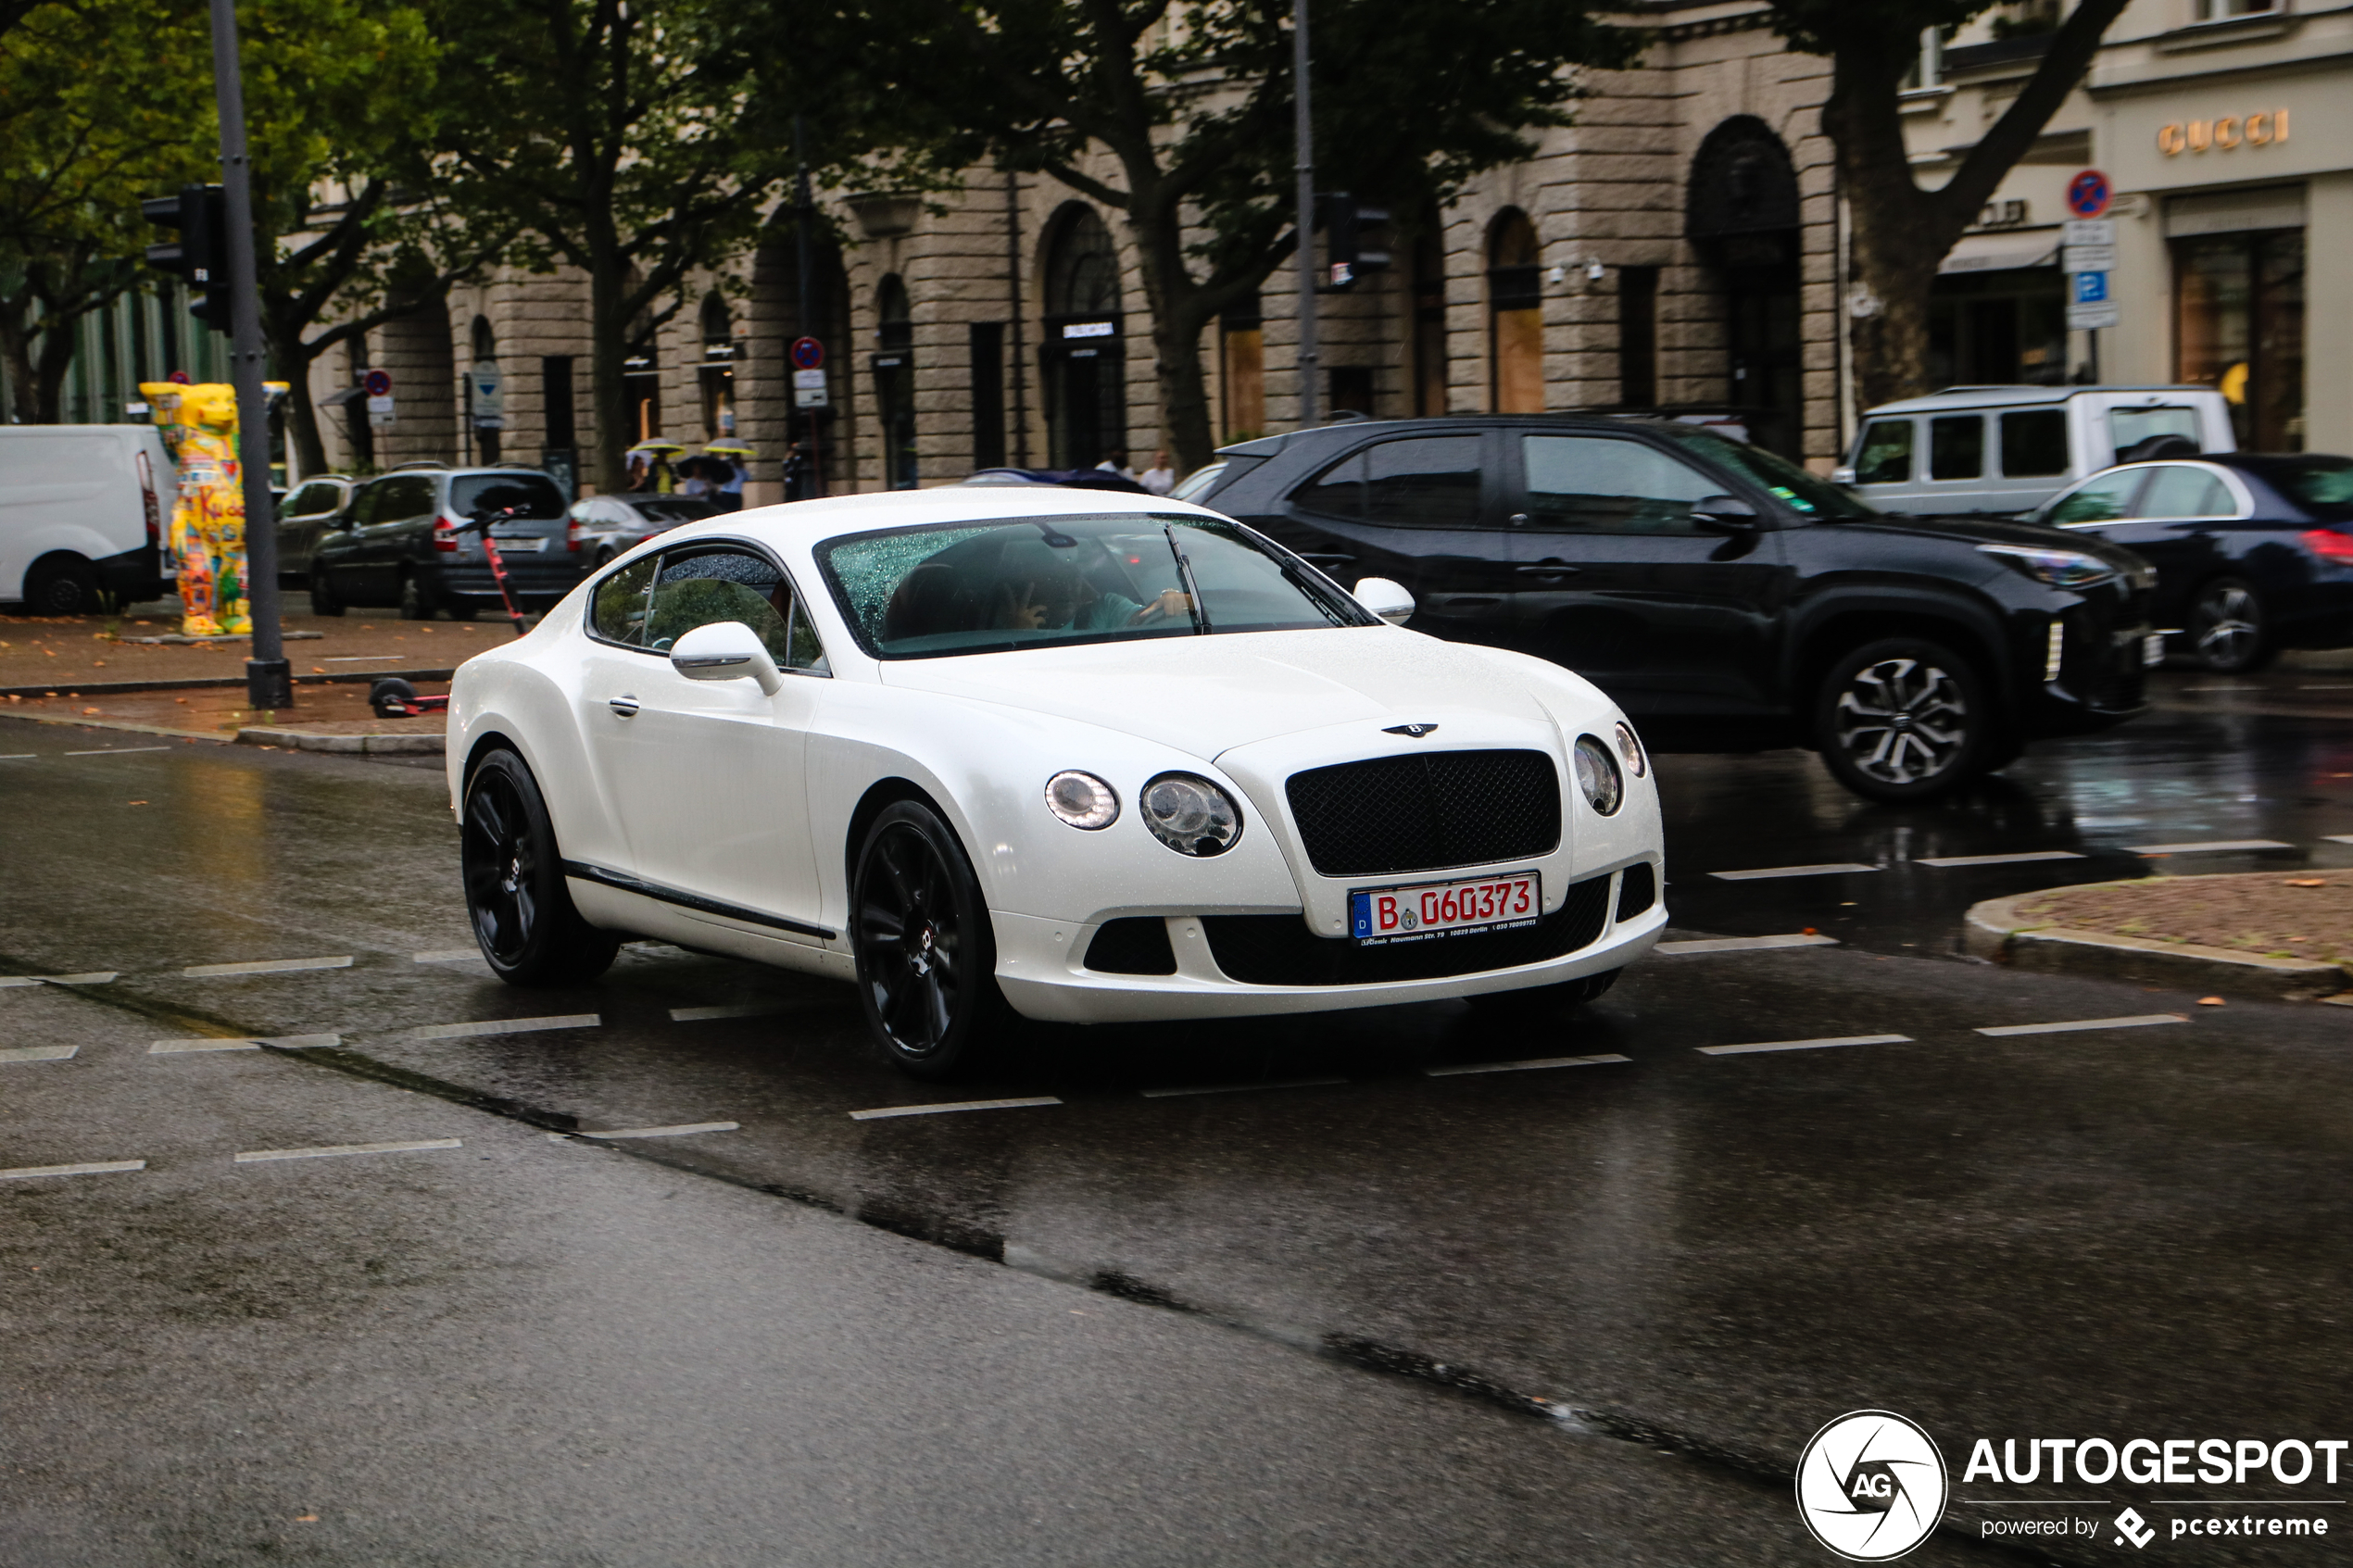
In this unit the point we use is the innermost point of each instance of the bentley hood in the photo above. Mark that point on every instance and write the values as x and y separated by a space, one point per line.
1206 696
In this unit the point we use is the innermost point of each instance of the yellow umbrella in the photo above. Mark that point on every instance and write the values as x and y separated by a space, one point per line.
658 447
729 449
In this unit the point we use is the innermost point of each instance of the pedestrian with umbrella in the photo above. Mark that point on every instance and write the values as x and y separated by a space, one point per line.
732 460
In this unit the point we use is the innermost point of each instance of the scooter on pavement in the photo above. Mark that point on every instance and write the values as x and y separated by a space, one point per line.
393 697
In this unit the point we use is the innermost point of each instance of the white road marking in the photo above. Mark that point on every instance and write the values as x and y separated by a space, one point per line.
1239 1088
256 1156
506 1026
734 1010
38 1053
247 1043
2221 688
264 966
1806 1045
93 1168
958 1105
2070 1027
1841 868
1524 1066
683 1130
22 757
448 955
1744 943
1941 861
116 750
2339 837
2332 686
361 658
2208 847
97 977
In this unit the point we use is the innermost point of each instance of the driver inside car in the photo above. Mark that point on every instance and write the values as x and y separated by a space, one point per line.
1067 601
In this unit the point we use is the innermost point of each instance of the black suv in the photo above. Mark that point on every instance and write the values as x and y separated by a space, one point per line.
1721 594
396 543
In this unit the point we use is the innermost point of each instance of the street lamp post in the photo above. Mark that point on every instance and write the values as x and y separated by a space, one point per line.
1304 128
268 678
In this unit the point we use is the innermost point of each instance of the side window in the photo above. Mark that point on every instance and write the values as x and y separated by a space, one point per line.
807 652
1956 447
702 586
2182 491
2154 432
1885 456
1424 482
1338 491
2107 498
2035 444
617 611
363 505
400 499
1599 486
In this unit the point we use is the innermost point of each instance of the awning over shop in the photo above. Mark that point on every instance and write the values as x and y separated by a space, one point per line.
2002 253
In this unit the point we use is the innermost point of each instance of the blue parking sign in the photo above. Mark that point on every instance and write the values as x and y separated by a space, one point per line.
2090 288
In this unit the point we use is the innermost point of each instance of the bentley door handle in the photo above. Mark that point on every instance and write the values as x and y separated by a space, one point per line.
626 707
1550 568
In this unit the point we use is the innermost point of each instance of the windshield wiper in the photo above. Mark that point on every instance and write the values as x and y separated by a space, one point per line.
1199 610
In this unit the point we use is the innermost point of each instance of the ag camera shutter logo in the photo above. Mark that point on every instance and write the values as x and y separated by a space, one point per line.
1871 1485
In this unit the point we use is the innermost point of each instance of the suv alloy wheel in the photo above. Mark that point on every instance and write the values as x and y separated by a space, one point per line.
1903 718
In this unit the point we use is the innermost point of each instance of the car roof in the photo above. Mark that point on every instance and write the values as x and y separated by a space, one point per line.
1350 430
2012 396
802 521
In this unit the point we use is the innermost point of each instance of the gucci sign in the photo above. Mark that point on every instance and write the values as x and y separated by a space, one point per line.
2258 129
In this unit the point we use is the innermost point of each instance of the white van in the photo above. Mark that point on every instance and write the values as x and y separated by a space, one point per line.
83 511
2010 448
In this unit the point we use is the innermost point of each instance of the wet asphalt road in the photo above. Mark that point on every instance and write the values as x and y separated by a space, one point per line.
1355 1305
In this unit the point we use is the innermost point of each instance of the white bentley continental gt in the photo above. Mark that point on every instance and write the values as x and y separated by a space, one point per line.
1044 754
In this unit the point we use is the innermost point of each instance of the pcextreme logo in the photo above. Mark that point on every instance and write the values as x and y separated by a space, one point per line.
1871 1485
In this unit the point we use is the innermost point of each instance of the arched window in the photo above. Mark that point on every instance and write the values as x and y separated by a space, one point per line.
1515 314
895 381
1742 216
718 371
1085 352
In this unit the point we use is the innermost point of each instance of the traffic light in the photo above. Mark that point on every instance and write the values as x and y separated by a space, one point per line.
201 257
1348 257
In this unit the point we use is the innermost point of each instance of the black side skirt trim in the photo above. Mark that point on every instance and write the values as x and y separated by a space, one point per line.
598 875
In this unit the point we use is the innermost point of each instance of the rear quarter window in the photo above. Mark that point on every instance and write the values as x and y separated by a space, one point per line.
535 493
2035 444
1956 447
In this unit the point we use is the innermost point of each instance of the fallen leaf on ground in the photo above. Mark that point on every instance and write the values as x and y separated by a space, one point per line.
2211 1002
89 711
2307 882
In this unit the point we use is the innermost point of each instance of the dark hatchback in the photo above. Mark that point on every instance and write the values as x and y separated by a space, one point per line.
1723 595
397 542
2254 552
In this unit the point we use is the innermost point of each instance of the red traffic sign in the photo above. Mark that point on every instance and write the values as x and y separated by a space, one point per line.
2088 194
807 353
377 383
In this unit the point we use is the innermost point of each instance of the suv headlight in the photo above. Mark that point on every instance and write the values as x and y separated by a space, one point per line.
1191 816
2060 569
1597 776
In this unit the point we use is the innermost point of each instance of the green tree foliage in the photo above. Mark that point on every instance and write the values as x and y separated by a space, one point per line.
1902 232
1193 103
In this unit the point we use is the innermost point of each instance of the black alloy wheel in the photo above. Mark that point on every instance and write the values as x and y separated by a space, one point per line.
323 599
927 955
2228 632
66 587
1539 1001
523 914
1903 719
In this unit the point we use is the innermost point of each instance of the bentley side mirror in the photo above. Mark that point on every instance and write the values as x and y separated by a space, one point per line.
725 650
1384 598
1726 514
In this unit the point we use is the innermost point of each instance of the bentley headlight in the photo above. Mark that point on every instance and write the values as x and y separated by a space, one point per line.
1630 750
2060 569
1191 816
1597 776
1082 800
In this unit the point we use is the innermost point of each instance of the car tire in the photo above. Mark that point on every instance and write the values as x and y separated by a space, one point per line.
520 910
926 952
322 595
61 588
1539 1001
1904 718
417 601
2228 632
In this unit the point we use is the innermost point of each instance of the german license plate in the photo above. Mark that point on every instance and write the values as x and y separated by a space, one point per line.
1417 911
530 546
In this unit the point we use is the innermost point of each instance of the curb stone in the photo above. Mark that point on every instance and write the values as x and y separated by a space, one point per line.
376 745
1997 930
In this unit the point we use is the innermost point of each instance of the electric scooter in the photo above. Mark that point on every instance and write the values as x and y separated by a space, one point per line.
393 697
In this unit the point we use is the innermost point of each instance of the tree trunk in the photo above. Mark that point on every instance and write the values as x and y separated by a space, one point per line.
1895 270
608 345
1169 293
16 357
52 358
294 358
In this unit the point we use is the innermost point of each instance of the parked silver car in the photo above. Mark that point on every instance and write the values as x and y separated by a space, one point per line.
606 526
2008 449
306 516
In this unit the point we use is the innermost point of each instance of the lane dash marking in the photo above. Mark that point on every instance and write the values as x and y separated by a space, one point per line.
2339 837
256 1156
2017 860
116 750
878 1115
1837 868
448 955
506 1027
1525 1066
2208 846
38 1053
1806 1045
264 966
96 977
247 1043
90 1168
2075 1025
1744 943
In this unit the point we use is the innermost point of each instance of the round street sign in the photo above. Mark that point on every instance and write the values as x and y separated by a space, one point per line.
2087 193
377 383
808 354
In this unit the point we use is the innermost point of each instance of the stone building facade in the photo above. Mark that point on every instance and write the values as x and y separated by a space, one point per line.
1676 246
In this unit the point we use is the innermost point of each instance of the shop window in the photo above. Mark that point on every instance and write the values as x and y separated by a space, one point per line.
1516 316
2239 327
2035 444
1084 353
1351 390
1243 353
718 373
1885 455
1956 447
